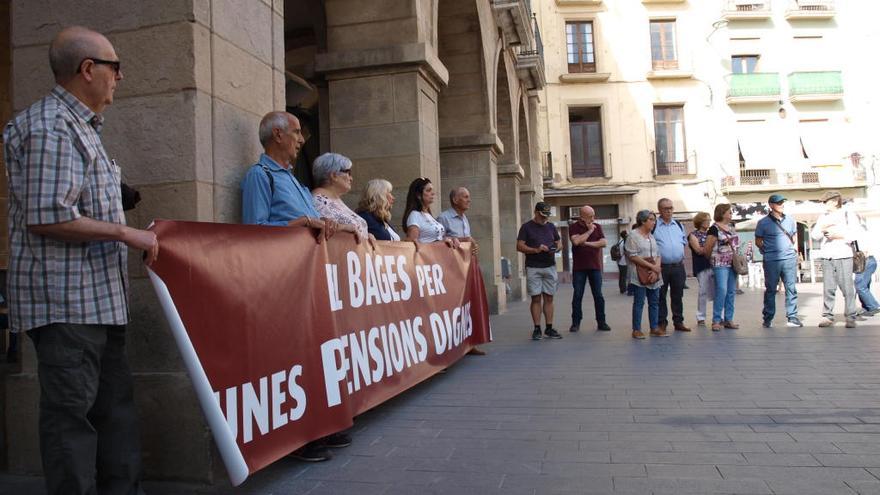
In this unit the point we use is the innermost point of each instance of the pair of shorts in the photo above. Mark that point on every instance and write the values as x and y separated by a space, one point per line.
541 280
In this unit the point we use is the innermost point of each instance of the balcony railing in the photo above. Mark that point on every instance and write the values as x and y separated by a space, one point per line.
749 179
747 9
530 60
810 9
547 167
675 168
756 87
672 168
815 86
757 177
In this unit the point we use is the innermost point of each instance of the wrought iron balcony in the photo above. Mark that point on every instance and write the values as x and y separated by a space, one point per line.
815 86
547 167
810 9
758 87
530 61
747 10
520 30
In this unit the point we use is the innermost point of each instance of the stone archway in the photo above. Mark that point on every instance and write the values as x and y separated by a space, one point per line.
469 143
511 131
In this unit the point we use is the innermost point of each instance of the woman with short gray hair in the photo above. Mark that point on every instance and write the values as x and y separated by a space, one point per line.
332 173
642 253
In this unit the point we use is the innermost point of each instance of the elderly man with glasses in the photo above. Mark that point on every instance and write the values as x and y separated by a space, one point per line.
67 280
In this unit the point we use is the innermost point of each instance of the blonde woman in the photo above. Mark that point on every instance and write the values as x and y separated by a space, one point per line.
375 209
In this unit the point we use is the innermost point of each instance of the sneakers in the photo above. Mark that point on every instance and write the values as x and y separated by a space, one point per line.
551 333
336 440
826 322
638 335
312 452
603 327
871 312
536 334
850 323
794 323
769 323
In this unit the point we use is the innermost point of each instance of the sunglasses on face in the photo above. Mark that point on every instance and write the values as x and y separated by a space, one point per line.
114 64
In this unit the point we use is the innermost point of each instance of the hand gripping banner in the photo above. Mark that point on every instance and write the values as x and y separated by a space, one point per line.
287 340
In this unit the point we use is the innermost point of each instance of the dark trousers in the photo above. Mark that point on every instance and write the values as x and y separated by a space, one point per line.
673 278
89 441
579 280
621 282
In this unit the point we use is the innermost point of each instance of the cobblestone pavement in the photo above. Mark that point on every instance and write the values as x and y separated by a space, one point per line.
750 411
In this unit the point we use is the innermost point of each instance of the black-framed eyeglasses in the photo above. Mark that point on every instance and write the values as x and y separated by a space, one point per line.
116 65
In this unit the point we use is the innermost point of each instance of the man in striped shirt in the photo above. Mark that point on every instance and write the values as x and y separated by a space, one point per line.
68 274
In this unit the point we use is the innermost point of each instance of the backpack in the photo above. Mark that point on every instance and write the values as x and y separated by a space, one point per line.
615 252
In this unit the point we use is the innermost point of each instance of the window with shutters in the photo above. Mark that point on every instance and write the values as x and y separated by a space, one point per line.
663 52
670 150
585 132
581 46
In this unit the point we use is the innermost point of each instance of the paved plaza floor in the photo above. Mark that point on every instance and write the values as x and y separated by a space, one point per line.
748 411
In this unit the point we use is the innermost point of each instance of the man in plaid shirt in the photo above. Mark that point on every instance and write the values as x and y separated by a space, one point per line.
67 271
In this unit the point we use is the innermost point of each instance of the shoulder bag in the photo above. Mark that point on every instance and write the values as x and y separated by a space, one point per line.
646 275
859 258
739 263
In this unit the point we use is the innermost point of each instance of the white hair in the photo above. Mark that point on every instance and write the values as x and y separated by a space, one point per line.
327 164
270 122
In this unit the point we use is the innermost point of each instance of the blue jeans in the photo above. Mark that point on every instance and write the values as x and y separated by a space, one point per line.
863 285
725 294
773 271
639 296
579 281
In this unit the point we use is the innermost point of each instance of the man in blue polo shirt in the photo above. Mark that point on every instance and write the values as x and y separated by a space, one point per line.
776 236
271 195
671 240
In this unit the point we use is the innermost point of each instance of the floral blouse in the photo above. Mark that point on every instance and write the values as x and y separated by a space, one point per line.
726 244
336 210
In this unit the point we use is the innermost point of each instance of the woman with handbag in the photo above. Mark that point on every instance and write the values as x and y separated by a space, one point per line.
644 274
722 241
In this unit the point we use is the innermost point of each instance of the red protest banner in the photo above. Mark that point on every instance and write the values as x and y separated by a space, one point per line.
286 340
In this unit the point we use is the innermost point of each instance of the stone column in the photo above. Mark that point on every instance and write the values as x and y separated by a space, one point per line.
472 162
383 79
509 177
199 75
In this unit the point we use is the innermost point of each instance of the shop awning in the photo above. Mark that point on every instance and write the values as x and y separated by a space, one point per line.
766 146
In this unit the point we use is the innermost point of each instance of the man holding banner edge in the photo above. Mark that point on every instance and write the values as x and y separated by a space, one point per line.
271 195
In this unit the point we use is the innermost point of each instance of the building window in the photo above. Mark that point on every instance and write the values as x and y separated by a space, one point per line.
670 150
581 47
663 54
585 131
744 64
